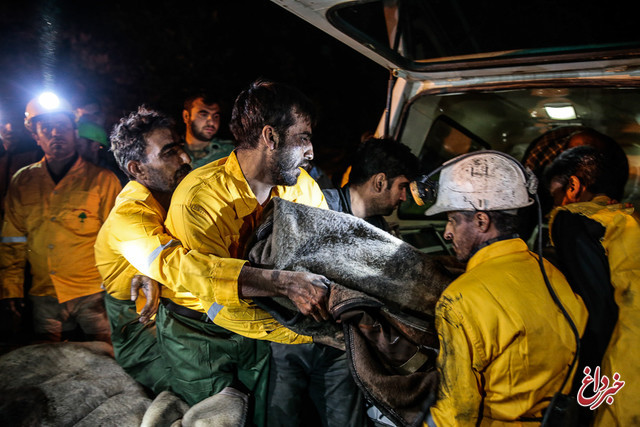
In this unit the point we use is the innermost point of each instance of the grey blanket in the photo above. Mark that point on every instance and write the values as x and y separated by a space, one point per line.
384 295
80 384
351 252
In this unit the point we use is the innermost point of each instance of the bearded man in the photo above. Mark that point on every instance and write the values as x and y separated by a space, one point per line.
214 211
202 117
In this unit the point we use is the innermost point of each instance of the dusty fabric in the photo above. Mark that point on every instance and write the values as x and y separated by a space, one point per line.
79 384
383 296
228 408
165 409
350 252
67 384
498 326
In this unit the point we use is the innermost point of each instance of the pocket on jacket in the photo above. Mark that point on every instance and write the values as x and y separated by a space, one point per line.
81 213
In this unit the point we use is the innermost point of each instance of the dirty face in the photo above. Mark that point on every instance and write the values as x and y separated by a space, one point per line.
395 194
56 135
203 120
292 153
462 231
166 161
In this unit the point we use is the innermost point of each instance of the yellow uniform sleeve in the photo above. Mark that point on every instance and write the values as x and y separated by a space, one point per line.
198 231
133 240
13 246
459 394
143 241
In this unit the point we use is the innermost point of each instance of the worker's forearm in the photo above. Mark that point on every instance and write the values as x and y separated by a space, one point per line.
258 282
306 290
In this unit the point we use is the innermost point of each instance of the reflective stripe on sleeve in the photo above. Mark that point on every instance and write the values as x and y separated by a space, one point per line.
157 251
214 310
430 421
19 239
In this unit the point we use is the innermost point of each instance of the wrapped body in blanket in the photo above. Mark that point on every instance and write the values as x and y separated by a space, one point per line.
382 298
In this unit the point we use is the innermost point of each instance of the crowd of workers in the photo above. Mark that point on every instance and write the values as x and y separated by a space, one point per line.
99 232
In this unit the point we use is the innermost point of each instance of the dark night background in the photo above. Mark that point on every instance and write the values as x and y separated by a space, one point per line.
128 53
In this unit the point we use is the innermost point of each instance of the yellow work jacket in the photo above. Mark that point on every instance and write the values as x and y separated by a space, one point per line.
54 226
133 241
505 347
621 243
214 211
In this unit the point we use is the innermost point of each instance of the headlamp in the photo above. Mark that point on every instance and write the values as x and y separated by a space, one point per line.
424 190
49 100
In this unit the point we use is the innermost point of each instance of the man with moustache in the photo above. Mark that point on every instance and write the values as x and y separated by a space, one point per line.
201 115
54 210
214 211
505 346
378 181
148 150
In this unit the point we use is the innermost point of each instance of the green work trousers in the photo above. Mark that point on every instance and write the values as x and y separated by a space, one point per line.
135 345
206 358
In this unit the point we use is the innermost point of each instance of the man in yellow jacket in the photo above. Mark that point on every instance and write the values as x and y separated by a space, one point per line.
54 210
214 211
505 347
147 148
596 241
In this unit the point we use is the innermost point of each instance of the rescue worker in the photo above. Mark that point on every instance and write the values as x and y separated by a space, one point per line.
505 347
148 149
214 211
378 181
202 115
596 241
54 210
379 177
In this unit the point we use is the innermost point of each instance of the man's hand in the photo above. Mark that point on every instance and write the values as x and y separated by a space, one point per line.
151 290
308 291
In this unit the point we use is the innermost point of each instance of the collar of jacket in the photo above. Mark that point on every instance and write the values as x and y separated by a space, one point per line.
244 200
76 168
495 239
497 249
597 204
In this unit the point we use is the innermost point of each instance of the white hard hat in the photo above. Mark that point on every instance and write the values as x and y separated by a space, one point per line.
46 103
483 181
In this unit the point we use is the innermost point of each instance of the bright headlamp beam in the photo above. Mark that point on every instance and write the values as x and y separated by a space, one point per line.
49 100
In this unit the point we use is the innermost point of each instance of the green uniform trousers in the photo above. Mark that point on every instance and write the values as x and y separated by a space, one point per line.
135 345
206 358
